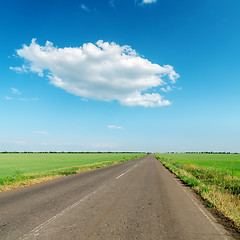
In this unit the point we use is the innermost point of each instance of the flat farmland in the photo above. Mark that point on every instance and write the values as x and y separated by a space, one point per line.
224 162
22 168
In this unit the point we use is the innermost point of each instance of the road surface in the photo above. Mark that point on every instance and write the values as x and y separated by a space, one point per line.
138 199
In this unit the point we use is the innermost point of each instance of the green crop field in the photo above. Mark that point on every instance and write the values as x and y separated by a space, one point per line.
224 162
20 167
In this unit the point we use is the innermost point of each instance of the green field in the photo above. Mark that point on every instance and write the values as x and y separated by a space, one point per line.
19 167
224 162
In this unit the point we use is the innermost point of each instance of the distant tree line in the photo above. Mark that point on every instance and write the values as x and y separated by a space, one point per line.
206 152
69 152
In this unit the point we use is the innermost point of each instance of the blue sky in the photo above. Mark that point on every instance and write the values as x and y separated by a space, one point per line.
120 94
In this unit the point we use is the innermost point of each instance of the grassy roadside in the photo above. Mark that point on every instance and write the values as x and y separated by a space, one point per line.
19 179
217 188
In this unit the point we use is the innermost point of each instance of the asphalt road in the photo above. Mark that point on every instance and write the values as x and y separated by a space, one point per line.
139 199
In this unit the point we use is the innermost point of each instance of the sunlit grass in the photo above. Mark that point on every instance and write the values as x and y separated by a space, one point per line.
224 162
21 169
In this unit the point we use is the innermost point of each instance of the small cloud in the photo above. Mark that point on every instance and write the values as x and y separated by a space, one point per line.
84 7
40 132
15 91
178 88
21 69
84 100
114 127
22 99
163 89
112 3
16 69
148 1
28 99
8 98
167 89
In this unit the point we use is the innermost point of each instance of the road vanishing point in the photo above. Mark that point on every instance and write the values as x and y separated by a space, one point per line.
138 199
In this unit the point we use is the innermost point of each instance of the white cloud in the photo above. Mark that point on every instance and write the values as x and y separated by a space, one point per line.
22 99
40 132
8 98
149 1
167 89
15 91
114 127
102 71
16 69
22 69
145 100
85 8
178 88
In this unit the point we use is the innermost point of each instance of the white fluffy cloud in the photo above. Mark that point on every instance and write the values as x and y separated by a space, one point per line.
102 71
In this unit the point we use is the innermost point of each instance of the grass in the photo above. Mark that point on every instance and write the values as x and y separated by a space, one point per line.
23 169
214 183
223 162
